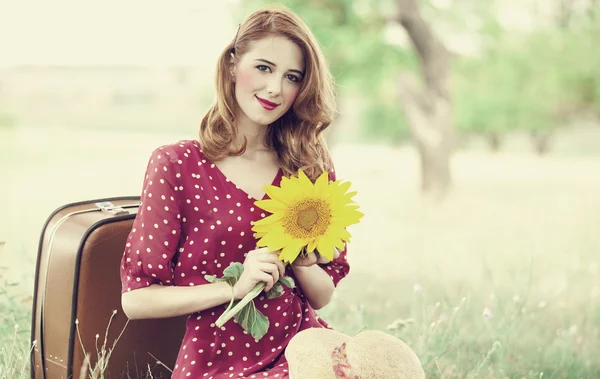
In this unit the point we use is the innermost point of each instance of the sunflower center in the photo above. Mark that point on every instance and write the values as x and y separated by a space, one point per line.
308 218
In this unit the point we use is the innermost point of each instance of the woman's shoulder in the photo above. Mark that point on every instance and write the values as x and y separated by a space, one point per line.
177 152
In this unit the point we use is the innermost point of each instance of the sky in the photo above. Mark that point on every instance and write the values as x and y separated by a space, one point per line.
154 32
68 32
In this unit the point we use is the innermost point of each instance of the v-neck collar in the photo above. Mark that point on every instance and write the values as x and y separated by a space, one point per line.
265 196
274 182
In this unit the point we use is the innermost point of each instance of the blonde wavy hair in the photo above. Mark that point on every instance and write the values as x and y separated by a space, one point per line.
297 136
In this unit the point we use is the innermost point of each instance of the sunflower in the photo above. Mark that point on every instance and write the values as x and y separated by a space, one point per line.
306 216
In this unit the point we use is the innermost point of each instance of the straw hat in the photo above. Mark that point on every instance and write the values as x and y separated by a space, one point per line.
320 353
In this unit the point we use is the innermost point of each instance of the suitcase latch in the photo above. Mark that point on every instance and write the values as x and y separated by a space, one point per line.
107 206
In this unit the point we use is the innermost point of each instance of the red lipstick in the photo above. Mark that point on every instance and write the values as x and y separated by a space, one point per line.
267 104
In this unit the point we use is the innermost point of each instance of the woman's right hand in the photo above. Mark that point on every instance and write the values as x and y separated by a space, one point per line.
260 265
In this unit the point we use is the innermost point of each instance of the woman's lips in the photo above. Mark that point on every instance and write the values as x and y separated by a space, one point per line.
267 104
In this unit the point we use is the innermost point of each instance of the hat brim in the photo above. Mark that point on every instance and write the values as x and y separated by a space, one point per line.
309 353
370 354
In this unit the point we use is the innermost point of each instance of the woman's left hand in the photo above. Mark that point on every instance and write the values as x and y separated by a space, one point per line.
314 258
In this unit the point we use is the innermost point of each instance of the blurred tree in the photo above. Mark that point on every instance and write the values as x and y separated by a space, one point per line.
532 82
352 33
514 80
428 108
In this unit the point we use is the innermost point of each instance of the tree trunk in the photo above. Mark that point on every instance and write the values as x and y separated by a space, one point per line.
435 170
565 13
494 141
428 107
592 9
541 142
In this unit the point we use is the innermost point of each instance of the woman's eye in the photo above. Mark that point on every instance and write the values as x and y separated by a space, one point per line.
263 68
293 78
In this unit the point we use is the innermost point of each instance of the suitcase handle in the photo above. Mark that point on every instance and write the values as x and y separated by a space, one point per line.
107 206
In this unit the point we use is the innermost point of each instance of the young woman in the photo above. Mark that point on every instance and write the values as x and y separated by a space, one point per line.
274 99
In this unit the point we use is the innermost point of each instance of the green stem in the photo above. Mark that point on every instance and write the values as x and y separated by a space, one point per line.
230 301
228 314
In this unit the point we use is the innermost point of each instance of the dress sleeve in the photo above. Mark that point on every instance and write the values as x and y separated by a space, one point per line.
152 242
339 267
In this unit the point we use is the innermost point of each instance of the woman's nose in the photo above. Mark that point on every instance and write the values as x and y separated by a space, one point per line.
274 86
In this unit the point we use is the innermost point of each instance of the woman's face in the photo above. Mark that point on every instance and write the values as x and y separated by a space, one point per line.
268 78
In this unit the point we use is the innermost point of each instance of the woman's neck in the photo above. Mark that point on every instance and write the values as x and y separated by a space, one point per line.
255 134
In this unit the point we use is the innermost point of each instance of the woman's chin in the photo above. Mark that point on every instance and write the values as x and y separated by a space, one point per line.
262 120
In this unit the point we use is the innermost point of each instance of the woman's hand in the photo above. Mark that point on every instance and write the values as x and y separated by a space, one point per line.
260 265
314 258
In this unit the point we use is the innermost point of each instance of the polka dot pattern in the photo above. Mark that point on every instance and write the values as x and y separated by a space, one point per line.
194 221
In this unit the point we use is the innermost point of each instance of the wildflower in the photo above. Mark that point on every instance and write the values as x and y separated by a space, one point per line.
417 289
487 313
400 323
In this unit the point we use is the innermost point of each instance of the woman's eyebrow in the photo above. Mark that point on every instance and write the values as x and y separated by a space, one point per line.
274 65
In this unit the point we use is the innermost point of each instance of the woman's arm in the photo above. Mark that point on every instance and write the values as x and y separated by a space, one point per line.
315 283
157 301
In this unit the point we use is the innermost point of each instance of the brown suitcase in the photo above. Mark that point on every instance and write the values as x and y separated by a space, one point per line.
77 279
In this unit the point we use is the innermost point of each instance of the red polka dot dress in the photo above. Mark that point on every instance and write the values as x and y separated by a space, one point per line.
193 221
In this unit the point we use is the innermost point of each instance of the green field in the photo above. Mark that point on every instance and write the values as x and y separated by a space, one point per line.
502 280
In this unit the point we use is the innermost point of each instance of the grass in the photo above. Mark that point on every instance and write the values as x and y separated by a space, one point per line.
14 330
502 280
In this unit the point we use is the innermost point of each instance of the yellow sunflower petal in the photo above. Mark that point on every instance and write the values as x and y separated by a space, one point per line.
291 251
312 245
325 247
277 193
347 219
305 184
271 205
308 214
285 182
339 202
270 219
276 240
322 183
339 232
341 188
345 211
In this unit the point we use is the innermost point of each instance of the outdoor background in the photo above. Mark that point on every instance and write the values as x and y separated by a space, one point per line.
470 129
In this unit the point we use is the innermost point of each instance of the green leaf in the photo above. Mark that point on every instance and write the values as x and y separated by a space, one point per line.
253 321
276 291
230 275
211 278
287 281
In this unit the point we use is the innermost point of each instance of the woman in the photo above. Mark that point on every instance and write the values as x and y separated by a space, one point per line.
274 99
